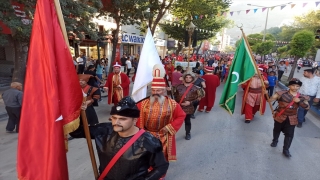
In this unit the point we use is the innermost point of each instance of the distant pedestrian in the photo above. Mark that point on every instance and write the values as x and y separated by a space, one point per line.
273 81
81 64
281 68
128 67
13 101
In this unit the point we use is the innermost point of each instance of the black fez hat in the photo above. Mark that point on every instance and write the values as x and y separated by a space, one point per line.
126 107
309 70
295 81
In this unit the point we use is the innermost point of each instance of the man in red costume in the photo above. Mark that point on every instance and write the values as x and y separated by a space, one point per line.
160 115
212 82
117 85
169 69
254 97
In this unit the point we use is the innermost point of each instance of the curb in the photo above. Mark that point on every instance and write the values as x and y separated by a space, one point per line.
313 109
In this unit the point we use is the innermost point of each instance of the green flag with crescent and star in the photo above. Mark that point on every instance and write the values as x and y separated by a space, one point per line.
241 70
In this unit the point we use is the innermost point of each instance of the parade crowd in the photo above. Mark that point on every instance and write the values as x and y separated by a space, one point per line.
148 127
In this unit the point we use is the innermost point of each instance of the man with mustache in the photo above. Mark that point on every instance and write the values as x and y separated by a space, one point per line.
145 152
160 115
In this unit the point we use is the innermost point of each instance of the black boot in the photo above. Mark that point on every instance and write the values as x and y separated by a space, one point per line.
286 146
188 136
275 139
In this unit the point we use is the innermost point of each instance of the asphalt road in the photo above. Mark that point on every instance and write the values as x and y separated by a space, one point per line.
222 147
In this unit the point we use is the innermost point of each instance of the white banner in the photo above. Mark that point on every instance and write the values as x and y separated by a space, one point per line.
185 64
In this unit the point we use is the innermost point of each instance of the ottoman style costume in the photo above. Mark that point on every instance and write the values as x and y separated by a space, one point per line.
212 82
92 94
253 98
118 86
133 164
285 116
187 92
155 116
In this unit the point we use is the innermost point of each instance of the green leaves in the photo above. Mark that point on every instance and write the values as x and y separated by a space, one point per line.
301 43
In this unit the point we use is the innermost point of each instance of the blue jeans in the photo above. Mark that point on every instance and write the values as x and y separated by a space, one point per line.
302 112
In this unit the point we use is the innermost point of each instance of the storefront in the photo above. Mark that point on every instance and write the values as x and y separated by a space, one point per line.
131 44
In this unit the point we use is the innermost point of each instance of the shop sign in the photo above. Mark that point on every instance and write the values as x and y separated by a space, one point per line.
134 39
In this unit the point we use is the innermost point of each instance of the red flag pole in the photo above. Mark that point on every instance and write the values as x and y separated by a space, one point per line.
83 113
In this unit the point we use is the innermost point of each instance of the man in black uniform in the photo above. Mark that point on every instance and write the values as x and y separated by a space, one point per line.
144 153
285 116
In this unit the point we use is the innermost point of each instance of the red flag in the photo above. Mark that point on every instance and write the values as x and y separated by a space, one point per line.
52 100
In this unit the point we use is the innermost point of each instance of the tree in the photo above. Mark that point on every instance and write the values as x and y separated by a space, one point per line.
77 15
264 48
301 43
274 31
124 12
157 10
183 10
282 52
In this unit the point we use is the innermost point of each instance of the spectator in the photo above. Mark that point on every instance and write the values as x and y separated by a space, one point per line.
12 99
93 81
176 75
123 62
272 79
80 65
281 68
128 66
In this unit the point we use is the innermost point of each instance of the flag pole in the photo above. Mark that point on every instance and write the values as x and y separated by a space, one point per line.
255 66
89 142
61 21
83 113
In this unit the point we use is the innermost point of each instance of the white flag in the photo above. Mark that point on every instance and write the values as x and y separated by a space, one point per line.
149 57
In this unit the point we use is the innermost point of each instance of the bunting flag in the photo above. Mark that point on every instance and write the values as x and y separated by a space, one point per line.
231 13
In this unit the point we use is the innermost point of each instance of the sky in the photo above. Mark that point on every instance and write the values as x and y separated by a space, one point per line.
255 22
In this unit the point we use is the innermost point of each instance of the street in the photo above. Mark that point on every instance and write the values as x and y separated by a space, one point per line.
222 147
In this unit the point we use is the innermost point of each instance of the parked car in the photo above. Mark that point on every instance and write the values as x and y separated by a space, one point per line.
306 63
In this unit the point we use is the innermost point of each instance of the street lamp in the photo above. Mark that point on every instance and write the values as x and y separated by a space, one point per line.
265 26
190 28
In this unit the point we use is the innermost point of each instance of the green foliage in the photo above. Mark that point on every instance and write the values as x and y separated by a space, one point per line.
191 8
274 31
77 16
254 39
282 51
301 43
264 48
20 31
